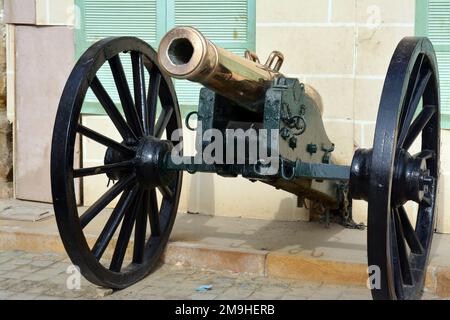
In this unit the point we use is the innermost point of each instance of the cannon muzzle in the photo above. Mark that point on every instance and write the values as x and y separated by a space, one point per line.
184 53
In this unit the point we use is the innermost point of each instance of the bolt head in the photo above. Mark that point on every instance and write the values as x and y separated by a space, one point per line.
293 142
311 148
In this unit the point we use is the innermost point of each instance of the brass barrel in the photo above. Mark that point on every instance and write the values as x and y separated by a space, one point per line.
184 53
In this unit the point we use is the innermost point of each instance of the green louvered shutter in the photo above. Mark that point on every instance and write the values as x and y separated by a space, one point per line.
105 18
228 23
433 20
439 33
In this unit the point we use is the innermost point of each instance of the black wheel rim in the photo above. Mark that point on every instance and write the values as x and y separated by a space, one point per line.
137 208
400 250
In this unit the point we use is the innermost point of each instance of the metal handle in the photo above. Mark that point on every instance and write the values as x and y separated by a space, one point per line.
188 118
252 56
289 176
275 56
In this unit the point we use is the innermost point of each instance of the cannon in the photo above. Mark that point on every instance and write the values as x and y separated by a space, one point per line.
254 122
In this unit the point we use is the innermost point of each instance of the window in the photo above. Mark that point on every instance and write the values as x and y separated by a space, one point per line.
229 23
433 21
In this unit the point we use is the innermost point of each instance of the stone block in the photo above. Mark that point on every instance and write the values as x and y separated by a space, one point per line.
343 11
316 270
443 282
367 96
385 11
20 11
301 11
309 50
337 96
375 47
215 259
341 134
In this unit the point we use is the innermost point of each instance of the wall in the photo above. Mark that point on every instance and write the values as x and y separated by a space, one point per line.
42 52
443 219
5 126
341 47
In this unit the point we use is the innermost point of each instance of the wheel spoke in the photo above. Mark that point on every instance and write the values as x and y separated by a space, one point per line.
139 85
418 91
402 253
153 93
416 71
409 232
125 234
106 199
418 125
107 142
140 230
111 109
427 200
153 214
113 222
125 95
163 121
109 168
429 195
425 154
166 192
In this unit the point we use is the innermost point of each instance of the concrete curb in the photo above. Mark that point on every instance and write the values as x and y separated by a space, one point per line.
275 264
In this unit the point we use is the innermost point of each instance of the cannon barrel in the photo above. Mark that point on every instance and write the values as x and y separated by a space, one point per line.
184 53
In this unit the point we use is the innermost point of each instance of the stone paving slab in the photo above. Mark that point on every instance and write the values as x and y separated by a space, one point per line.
166 282
297 250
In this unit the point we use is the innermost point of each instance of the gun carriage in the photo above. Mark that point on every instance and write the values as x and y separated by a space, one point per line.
284 117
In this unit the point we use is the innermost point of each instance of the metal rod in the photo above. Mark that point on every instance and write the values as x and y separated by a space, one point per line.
313 171
321 171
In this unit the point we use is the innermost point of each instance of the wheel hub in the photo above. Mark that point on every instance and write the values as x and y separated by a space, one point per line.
150 168
411 179
149 162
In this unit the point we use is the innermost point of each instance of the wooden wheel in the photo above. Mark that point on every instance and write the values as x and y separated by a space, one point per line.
132 162
388 176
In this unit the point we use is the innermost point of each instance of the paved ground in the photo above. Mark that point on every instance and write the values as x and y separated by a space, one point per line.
44 276
309 239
